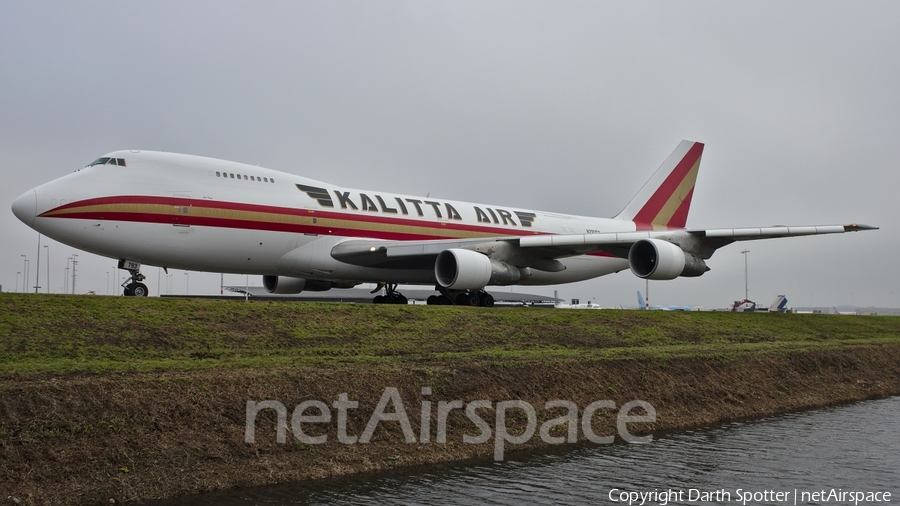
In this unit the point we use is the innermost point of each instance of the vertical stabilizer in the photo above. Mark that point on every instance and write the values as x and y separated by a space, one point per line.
641 303
780 304
664 201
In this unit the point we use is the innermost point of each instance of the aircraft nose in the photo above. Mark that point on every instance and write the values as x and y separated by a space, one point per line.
25 207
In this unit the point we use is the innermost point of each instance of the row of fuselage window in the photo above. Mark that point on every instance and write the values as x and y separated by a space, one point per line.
245 177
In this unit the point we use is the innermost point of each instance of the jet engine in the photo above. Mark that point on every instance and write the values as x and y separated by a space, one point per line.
287 285
658 259
462 269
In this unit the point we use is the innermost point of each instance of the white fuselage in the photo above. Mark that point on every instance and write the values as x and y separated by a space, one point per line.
203 214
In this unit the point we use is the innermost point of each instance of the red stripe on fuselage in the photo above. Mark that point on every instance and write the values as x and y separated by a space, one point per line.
268 226
274 226
237 206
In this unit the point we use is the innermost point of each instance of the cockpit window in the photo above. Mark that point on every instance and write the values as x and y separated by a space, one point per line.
108 161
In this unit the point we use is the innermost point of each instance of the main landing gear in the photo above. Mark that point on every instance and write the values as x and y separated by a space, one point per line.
461 298
133 286
391 295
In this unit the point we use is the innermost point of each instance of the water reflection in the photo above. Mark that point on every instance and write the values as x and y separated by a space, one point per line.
852 447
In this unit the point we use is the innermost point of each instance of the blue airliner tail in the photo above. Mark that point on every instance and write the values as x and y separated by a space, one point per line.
780 304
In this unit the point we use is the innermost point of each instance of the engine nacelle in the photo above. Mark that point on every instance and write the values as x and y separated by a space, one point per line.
658 259
288 285
462 269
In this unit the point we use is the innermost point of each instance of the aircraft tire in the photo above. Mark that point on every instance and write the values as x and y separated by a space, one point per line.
129 290
486 299
467 299
139 290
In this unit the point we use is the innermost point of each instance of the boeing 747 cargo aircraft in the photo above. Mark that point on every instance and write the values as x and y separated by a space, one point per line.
202 214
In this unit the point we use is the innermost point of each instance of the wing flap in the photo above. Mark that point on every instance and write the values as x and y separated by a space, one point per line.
589 240
400 254
745 234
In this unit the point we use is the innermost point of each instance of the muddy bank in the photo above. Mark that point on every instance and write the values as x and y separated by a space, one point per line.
89 438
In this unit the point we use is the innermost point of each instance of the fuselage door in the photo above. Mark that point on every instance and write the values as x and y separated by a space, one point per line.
181 209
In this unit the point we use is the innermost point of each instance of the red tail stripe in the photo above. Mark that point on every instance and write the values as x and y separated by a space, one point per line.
664 192
679 219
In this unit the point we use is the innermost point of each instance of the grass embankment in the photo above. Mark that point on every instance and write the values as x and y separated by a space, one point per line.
134 398
59 334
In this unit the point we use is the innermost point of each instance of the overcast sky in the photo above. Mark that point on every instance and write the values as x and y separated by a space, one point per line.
559 106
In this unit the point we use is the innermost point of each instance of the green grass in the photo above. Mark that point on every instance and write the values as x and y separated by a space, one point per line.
63 334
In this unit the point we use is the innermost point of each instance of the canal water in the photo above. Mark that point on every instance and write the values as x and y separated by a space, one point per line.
812 457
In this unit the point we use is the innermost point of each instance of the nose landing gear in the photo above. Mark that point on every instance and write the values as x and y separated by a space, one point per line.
136 289
133 286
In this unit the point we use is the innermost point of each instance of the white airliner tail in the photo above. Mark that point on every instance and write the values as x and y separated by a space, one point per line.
664 201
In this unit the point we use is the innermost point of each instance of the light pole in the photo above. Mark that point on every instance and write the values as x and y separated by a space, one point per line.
66 279
25 277
647 294
37 267
74 262
746 297
47 247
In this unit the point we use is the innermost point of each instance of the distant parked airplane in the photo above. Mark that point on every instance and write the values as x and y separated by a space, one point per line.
779 305
642 304
576 304
194 213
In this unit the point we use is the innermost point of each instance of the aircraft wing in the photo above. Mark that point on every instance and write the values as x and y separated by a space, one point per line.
719 237
539 251
619 243
728 235
704 242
